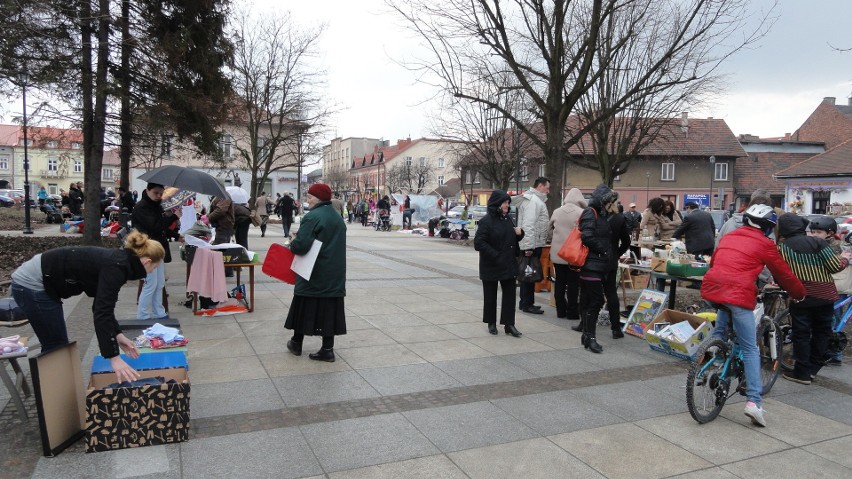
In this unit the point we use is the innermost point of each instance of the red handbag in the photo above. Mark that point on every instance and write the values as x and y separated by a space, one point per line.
277 263
573 251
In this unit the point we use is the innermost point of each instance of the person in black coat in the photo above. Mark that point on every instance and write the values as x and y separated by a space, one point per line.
699 229
497 242
596 235
618 224
150 219
40 284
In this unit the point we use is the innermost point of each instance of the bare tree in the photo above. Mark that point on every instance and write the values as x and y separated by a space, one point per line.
396 177
337 180
550 47
278 109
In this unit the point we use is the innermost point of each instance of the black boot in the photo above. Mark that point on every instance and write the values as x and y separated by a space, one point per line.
578 327
294 347
512 330
584 340
492 328
323 354
617 334
592 345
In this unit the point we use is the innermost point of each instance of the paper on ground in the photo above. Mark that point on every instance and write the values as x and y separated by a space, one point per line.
303 265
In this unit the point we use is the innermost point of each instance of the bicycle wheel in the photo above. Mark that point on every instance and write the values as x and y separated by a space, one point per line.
767 332
784 323
706 392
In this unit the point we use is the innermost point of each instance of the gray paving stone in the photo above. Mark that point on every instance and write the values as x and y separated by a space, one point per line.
408 379
223 370
219 348
836 450
537 458
388 321
275 453
152 461
710 473
379 356
793 425
354 443
830 404
419 334
212 331
431 467
789 463
632 401
483 370
613 354
323 388
239 397
454 428
556 412
550 363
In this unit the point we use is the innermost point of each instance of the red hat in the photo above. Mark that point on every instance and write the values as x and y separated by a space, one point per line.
320 191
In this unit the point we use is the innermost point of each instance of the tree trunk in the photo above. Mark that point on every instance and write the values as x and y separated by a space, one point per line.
126 116
554 155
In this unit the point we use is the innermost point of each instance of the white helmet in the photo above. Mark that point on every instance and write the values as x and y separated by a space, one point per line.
762 217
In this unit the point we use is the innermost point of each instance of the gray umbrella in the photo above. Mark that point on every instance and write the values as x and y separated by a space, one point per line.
186 179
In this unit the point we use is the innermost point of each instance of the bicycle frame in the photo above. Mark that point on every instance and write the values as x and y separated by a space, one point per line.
840 320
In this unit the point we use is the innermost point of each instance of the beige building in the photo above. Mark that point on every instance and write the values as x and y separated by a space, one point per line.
337 156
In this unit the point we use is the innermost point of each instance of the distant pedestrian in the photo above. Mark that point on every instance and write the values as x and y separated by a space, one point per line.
535 221
286 208
699 229
262 210
562 222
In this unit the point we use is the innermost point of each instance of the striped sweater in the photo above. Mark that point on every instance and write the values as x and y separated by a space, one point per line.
813 262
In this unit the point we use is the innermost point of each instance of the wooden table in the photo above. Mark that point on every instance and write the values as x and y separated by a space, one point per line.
239 267
661 278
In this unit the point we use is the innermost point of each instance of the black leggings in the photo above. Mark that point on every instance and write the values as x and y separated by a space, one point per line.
327 341
591 301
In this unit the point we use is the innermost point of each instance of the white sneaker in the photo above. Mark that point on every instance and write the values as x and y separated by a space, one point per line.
755 413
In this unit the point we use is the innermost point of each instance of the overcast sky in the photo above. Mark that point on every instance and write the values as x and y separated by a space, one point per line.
772 88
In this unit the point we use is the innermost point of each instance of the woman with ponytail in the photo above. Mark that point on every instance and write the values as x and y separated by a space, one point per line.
40 285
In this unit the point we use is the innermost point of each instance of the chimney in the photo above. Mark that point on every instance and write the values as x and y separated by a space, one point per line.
829 99
787 136
684 122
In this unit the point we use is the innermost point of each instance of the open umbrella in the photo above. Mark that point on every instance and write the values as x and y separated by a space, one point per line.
185 179
238 195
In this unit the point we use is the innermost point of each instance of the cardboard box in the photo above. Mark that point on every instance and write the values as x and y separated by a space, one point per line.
658 265
680 349
150 415
640 281
109 418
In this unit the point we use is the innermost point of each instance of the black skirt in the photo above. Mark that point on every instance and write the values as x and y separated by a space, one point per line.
316 316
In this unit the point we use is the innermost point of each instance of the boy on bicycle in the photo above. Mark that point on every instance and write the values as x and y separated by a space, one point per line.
813 261
730 286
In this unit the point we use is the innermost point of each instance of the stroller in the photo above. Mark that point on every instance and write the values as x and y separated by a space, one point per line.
53 214
383 220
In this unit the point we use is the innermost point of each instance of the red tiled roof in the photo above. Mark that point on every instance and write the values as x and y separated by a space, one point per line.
388 152
13 135
758 171
834 162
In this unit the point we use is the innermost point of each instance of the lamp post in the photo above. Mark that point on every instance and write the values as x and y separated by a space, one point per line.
24 77
647 186
518 169
712 174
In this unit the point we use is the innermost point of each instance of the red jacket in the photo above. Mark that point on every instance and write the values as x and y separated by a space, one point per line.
736 263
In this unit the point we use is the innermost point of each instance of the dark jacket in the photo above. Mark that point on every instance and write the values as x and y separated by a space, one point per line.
285 206
328 279
75 200
127 201
699 229
596 234
98 272
497 242
222 214
242 214
620 238
148 218
811 259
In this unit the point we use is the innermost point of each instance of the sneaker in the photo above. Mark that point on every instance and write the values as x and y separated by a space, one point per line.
755 412
797 379
833 362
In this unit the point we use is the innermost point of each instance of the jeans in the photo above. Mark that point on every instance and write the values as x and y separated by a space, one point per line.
811 332
527 292
507 305
744 326
567 286
46 316
151 297
286 221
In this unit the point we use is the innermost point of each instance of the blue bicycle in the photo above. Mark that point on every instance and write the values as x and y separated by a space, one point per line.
717 370
784 322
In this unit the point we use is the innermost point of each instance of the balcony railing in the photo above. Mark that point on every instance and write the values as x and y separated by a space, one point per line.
51 174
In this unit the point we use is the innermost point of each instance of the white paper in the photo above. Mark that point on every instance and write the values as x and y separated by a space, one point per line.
303 265
187 218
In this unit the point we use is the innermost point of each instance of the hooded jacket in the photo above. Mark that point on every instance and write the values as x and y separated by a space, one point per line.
596 233
497 242
533 219
736 264
811 259
564 220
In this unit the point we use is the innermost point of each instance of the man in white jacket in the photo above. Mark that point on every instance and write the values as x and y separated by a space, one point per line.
534 219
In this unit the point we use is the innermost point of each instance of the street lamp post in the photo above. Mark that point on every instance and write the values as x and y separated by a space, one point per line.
27 226
518 169
647 187
712 174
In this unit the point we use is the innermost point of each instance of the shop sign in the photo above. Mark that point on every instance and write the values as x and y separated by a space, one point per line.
699 199
821 184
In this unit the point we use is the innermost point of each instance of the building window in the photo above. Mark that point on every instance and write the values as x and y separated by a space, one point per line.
262 148
52 144
721 172
29 142
52 163
440 162
75 145
471 177
407 161
440 180
422 161
226 146
4 162
52 189
525 173
166 146
78 166
668 172
106 174
541 171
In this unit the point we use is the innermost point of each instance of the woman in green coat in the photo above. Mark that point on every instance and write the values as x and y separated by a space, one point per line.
317 308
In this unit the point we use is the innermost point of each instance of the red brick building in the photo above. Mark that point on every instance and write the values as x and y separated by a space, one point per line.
829 123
